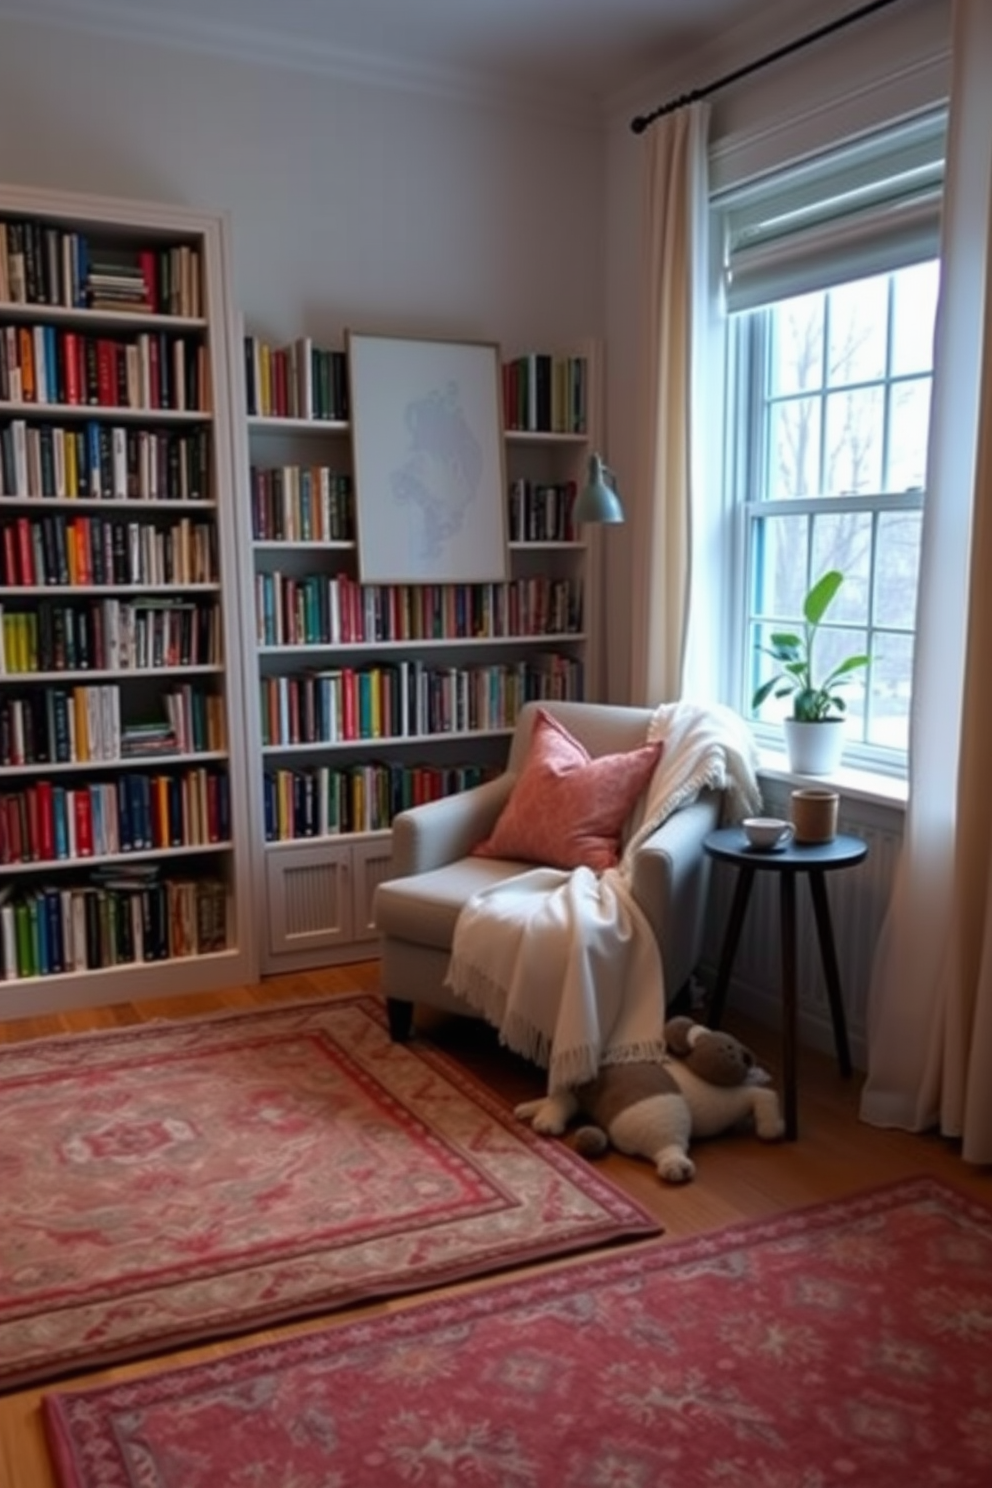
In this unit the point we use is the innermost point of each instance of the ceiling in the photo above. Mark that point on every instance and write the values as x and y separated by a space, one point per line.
589 50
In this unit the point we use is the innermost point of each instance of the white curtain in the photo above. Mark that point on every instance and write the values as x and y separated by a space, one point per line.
930 1003
673 271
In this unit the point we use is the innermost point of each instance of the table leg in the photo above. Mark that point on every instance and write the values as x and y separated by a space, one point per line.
787 911
742 891
828 953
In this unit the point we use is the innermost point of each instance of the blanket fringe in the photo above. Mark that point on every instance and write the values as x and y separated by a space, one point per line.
568 1067
488 998
573 1067
647 1051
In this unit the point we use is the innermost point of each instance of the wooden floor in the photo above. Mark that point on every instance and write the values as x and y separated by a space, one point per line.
737 1176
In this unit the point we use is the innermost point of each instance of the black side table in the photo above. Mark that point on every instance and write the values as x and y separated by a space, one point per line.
731 846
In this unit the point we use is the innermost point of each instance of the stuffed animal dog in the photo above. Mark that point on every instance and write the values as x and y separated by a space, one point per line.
649 1109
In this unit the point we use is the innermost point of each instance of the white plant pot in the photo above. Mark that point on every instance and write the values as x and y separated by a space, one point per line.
814 748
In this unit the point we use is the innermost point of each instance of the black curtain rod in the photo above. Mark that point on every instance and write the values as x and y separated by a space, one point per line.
642 121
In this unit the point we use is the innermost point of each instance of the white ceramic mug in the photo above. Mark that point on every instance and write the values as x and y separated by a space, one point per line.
766 832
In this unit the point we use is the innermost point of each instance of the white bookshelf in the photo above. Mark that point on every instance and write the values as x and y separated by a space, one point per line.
122 435
314 892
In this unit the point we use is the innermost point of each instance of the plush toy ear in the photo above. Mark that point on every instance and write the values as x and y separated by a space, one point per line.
678 1036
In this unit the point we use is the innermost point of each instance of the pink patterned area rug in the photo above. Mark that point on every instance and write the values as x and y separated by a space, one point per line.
843 1346
181 1181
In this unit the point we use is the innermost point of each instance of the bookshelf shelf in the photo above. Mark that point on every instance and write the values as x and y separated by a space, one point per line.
119 674
23 998
148 510
369 840
88 767
123 839
114 860
308 427
79 591
295 545
384 741
365 698
415 644
109 414
120 320
545 439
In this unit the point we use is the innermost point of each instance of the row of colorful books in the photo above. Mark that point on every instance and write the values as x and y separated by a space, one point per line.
109 635
104 462
300 380
44 264
79 550
58 725
335 609
48 822
117 919
48 365
542 511
543 393
408 699
327 802
301 503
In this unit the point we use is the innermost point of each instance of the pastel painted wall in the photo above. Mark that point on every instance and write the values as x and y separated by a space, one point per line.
351 204
386 209
383 208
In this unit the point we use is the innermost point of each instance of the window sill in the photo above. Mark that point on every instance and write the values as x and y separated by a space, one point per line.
858 785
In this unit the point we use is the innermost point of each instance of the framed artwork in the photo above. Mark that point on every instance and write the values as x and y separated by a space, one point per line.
428 460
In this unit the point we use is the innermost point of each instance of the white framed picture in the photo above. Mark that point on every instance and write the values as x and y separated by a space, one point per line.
428 460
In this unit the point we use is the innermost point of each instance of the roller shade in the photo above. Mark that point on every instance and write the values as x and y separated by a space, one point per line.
866 208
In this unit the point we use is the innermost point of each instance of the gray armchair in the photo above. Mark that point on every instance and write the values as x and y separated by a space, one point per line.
433 872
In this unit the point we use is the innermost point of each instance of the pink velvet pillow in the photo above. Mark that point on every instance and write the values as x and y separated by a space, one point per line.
567 809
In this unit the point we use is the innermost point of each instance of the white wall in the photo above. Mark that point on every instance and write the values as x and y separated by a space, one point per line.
388 210
352 205
385 209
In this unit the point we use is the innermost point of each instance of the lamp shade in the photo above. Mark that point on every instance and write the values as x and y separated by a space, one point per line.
598 500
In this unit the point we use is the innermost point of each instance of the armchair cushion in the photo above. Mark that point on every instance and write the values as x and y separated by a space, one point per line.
568 809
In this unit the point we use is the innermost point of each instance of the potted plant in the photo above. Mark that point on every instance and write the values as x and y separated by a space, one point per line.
814 735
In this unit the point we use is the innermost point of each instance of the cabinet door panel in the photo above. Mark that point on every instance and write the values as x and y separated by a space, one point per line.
370 866
310 898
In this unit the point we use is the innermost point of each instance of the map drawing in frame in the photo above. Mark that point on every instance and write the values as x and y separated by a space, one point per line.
428 460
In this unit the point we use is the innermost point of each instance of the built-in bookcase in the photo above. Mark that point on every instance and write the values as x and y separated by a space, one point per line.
125 865
369 698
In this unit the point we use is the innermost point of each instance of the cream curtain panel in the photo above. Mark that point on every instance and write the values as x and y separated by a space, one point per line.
930 1004
673 260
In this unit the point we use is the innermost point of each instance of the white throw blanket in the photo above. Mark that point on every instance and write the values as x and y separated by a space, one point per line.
565 964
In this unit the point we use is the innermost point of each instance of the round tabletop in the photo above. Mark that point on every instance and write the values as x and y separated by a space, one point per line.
730 844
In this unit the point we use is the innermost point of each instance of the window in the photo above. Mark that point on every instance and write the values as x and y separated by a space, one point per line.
832 283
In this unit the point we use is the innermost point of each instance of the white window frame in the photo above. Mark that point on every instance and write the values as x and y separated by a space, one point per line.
776 240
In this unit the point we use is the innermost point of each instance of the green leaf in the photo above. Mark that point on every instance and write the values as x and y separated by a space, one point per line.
851 664
762 693
821 595
782 643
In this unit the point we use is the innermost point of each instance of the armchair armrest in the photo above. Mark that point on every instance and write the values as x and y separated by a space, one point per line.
669 879
440 832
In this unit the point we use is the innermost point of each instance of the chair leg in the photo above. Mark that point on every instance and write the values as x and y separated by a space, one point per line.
400 1015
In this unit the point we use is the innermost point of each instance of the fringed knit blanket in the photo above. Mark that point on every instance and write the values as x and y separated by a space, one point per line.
565 964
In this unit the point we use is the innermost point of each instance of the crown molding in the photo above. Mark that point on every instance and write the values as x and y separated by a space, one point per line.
260 46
